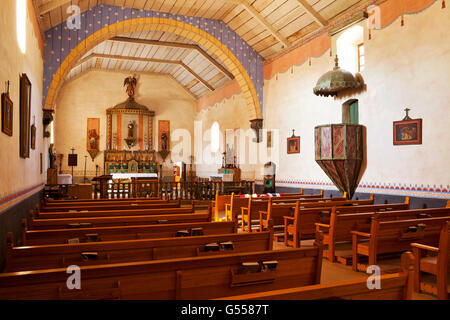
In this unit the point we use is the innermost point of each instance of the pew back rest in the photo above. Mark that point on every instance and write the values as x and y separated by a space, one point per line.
131 211
276 212
412 214
112 206
59 236
332 202
255 206
62 255
185 278
357 218
47 224
397 235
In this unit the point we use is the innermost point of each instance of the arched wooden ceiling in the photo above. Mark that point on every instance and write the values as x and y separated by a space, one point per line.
268 26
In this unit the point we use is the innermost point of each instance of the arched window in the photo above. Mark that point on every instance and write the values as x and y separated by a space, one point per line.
215 137
350 49
21 24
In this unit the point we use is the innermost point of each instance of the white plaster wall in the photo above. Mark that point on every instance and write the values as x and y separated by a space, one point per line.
91 94
405 67
18 174
230 113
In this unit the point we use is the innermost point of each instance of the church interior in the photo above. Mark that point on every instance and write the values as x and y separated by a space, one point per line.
225 150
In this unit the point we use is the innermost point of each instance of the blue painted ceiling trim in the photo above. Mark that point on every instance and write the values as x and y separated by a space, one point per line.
60 40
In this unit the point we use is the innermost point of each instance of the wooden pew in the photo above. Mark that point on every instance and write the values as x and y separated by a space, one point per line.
48 224
40 237
156 204
397 286
219 204
346 219
117 213
63 203
274 216
183 278
388 237
437 264
233 209
29 258
301 225
251 213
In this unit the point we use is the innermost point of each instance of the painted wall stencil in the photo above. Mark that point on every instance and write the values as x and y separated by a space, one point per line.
407 131
93 137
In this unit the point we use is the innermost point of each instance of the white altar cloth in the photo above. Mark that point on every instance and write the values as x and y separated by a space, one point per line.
64 179
134 175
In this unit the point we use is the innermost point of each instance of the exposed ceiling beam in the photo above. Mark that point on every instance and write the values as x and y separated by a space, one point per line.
49 6
258 16
309 9
118 57
177 45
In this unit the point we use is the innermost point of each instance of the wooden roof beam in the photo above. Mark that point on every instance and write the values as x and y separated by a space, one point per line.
118 57
49 6
177 45
310 10
258 16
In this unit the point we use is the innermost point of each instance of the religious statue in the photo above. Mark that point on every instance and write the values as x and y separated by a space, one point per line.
131 140
164 141
52 156
131 130
130 82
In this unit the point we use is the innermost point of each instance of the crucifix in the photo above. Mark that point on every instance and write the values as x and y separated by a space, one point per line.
407 116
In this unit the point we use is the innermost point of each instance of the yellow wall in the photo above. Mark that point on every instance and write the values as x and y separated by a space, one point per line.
89 95
18 174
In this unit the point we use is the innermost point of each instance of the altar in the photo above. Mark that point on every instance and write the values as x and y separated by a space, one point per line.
129 139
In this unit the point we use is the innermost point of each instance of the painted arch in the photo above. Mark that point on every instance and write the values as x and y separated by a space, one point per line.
65 47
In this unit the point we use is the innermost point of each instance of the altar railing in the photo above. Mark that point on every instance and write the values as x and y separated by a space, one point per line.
202 190
195 190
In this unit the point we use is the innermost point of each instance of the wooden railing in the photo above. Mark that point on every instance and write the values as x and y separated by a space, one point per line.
204 190
195 190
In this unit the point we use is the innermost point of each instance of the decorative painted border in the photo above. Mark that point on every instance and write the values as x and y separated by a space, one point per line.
403 189
103 21
230 89
11 200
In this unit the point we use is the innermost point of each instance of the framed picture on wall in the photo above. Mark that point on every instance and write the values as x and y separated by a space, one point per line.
408 132
33 137
293 144
7 115
25 110
269 139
